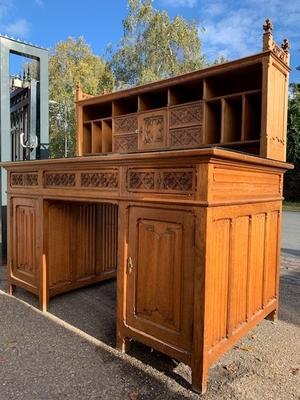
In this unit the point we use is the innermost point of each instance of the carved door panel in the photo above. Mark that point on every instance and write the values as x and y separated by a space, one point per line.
24 239
160 274
152 130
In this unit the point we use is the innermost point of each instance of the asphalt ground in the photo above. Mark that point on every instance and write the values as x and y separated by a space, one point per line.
69 352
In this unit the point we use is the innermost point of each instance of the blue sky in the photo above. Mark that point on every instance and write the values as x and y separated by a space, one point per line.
231 28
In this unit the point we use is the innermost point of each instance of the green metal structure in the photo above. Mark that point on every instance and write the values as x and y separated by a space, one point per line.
38 136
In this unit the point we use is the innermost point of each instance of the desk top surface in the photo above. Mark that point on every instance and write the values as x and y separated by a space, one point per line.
198 155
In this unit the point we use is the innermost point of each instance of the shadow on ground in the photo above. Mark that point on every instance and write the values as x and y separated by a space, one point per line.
34 348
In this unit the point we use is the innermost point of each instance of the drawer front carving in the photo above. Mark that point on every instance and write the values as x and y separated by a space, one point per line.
125 143
191 114
59 179
181 181
24 179
128 124
186 137
99 179
103 180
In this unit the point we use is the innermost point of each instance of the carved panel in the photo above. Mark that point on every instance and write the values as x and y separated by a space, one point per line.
83 228
280 53
191 114
161 180
153 130
102 180
178 181
24 240
152 134
125 143
160 243
271 257
25 179
17 180
106 238
160 285
59 179
59 233
185 137
126 124
243 253
141 180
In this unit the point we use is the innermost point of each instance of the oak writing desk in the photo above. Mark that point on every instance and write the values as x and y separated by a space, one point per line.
190 230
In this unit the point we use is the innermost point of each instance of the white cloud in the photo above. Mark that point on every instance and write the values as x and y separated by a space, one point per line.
235 31
18 28
180 3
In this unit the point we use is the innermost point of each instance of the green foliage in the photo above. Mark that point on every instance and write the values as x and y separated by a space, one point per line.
154 46
292 177
293 136
72 61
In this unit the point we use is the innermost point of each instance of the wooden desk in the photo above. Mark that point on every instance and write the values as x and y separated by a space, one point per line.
194 236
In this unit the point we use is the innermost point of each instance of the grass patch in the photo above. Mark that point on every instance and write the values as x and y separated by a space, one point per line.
291 206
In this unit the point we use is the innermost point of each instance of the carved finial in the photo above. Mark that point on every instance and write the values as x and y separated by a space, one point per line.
80 95
78 91
267 36
286 45
282 52
268 26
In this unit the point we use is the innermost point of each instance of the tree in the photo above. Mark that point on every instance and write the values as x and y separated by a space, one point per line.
292 178
72 61
154 46
293 135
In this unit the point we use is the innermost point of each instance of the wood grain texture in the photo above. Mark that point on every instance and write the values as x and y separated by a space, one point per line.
244 182
59 262
160 276
24 237
241 105
82 245
152 130
241 270
193 234
274 120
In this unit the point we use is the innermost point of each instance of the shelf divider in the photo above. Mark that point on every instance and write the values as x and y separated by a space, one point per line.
96 137
106 136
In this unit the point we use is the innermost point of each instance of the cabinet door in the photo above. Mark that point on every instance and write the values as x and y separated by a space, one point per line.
160 274
24 240
152 130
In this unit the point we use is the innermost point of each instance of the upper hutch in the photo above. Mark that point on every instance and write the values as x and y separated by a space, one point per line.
239 105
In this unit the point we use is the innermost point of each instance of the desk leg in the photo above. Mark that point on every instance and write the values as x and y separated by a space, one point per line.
44 290
42 251
11 287
199 358
122 342
199 378
273 316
